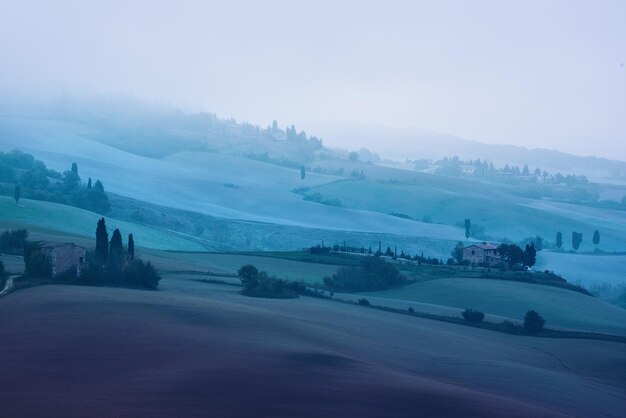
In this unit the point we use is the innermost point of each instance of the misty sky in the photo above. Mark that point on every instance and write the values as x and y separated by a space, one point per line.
540 74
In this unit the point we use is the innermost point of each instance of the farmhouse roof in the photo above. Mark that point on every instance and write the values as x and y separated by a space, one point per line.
50 244
483 246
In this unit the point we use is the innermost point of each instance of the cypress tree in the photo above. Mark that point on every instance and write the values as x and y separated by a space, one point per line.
468 226
17 194
116 248
559 239
102 241
577 239
89 183
131 247
302 172
596 237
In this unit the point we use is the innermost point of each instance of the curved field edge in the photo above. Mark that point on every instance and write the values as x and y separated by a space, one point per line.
75 221
562 309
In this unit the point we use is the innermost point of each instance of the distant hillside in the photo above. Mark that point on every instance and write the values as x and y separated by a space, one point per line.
418 144
153 131
157 132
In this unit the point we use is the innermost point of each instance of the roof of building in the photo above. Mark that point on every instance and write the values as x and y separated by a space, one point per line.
50 244
483 246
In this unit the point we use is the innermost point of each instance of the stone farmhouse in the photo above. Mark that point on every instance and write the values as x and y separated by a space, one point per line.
481 254
63 256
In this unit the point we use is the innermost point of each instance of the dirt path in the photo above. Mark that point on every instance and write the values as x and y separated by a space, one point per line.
8 286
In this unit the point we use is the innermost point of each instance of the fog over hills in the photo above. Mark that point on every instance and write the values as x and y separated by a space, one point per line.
314 209
402 143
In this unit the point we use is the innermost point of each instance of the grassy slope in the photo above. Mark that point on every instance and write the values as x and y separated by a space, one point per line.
195 181
193 349
560 308
587 269
74 221
502 214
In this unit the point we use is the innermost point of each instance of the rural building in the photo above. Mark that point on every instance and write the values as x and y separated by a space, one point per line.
234 130
63 256
468 169
481 253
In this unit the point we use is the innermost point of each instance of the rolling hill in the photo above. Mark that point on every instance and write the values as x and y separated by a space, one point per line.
255 200
68 220
511 300
194 349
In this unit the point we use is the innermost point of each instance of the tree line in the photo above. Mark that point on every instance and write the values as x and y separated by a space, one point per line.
388 252
577 239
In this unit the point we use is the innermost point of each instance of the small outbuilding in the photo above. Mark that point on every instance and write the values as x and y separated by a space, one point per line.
63 256
481 254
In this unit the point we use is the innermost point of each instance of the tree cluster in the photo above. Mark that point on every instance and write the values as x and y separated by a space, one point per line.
372 274
515 257
454 167
21 175
113 264
259 284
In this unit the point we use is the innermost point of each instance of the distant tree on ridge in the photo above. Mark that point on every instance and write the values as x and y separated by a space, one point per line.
17 194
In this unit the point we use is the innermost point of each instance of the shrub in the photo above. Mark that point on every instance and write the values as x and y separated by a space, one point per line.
411 310
138 274
364 302
38 265
471 315
68 276
502 266
2 272
533 322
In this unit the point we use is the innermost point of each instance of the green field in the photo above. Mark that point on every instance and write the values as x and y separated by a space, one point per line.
561 308
228 264
74 221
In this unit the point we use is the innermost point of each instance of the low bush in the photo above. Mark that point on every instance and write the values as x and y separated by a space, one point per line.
364 302
471 315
